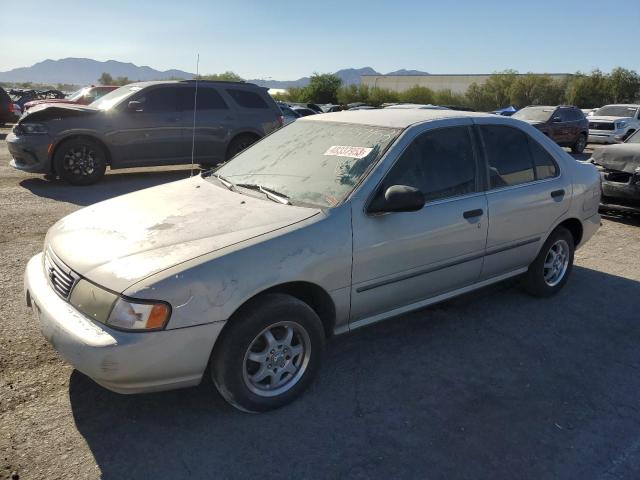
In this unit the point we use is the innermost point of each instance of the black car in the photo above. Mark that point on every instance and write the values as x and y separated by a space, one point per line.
7 111
619 167
564 124
143 124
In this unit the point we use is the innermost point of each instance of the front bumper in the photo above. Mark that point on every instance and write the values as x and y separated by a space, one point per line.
29 153
124 362
606 136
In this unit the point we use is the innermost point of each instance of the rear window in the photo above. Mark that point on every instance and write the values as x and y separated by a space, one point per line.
208 99
247 99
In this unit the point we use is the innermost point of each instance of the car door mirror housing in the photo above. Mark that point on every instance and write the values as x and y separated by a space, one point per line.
135 106
556 120
398 198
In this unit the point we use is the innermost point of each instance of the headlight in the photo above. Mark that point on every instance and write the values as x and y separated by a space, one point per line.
32 128
111 309
139 315
620 125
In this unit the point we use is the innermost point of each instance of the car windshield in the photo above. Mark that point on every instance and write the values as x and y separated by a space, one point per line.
77 94
311 162
536 114
114 97
616 111
635 138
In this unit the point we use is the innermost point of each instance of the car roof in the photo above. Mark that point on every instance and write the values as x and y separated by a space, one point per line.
394 118
192 82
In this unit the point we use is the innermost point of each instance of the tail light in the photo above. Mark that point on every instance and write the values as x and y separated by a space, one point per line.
280 120
10 107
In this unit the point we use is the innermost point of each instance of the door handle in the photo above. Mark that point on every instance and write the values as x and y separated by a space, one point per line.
557 193
473 213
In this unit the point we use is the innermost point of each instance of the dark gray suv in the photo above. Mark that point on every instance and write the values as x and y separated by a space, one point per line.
143 124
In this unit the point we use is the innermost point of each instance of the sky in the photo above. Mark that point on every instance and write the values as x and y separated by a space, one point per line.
286 40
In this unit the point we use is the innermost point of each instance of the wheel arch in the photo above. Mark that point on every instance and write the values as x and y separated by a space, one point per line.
74 137
310 293
575 228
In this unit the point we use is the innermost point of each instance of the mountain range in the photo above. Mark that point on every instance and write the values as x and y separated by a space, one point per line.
85 71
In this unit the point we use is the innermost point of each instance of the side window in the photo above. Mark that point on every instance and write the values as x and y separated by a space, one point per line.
440 163
247 99
508 156
545 165
160 100
564 114
208 99
577 114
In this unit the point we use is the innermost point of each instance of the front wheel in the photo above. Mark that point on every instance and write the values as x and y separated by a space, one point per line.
550 270
269 354
80 161
580 145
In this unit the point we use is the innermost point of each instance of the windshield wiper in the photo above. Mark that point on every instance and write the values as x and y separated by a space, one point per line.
269 192
224 181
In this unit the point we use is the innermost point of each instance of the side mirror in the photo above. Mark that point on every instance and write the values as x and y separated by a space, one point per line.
398 198
556 120
135 106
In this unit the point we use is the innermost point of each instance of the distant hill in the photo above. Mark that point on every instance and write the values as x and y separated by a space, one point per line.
83 71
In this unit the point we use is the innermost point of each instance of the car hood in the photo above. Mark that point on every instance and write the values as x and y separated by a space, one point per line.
49 111
118 242
606 119
33 103
624 157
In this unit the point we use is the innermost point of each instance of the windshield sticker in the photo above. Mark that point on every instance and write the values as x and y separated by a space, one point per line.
346 151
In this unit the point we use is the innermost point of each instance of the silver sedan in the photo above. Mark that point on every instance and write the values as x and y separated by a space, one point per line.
334 222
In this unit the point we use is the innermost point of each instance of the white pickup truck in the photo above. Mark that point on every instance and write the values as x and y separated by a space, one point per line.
613 123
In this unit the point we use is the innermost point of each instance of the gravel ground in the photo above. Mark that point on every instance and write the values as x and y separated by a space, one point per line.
495 384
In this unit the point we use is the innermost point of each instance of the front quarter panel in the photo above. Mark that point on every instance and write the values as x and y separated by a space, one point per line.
212 287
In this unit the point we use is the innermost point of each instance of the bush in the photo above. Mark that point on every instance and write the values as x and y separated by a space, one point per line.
417 94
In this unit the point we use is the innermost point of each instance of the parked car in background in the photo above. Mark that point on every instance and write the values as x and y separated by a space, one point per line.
142 124
352 218
84 96
23 95
588 111
363 107
614 123
288 114
9 112
331 108
619 167
564 124
303 111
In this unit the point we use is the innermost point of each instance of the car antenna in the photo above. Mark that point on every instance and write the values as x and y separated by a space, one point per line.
195 105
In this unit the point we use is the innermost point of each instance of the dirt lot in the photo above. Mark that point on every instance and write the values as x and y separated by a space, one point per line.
492 385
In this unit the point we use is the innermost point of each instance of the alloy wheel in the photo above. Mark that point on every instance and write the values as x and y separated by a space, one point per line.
276 359
80 161
556 263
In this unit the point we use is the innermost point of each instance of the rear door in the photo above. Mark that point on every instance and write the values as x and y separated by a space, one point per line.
527 194
153 135
211 129
255 110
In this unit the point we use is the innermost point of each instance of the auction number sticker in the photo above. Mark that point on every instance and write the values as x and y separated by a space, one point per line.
347 151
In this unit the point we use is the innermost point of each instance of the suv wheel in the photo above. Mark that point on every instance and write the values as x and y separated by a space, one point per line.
550 270
269 354
580 145
80 161
240 143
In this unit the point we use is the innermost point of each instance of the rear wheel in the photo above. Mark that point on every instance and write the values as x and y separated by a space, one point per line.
269 354
550 270
80 161
580 145
240 143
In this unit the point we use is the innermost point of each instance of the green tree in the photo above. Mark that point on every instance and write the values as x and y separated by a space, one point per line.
122 81
322 88
353 93
447 97
589 91
417 94
227 76
105 79
531 89
624 85
378 96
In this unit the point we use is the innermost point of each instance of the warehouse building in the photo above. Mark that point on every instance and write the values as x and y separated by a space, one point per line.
457 83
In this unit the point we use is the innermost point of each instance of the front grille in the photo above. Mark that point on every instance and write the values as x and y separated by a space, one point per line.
601 126
61 278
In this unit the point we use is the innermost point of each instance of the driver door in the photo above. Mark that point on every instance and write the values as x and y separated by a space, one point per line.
402 258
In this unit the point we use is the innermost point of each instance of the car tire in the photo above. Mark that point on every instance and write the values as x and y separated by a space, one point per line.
550 270
239 143
268 354
580 144
80 161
